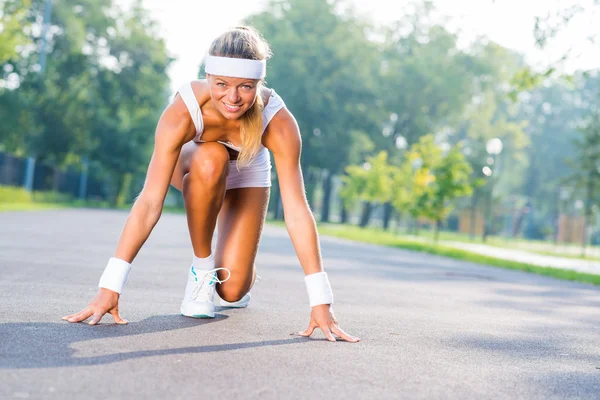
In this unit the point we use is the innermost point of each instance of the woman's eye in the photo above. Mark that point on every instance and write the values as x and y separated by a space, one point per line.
220 84
247 87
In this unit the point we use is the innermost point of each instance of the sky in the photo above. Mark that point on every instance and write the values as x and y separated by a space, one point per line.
189 26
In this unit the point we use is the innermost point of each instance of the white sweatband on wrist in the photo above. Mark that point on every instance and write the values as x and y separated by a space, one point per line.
115 275
319 289
235 67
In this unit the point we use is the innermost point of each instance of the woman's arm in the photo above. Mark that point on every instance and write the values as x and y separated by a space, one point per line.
174 128
283 139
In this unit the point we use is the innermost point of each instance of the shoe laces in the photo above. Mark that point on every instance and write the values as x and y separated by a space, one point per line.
200 283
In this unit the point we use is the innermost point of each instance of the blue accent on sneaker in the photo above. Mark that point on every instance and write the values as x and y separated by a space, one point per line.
213 279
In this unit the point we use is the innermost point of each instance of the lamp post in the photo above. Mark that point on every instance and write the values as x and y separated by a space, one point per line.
493 148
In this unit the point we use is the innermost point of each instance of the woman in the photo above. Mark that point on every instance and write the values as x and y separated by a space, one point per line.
212 143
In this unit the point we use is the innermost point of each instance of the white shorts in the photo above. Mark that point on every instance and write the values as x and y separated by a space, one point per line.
256 174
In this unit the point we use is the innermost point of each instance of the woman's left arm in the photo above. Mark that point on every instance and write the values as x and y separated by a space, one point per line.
283 139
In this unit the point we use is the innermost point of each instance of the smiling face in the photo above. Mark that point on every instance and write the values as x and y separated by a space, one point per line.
232 96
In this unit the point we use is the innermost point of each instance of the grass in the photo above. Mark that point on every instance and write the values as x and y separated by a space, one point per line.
531 246
379 237
18 199
4 207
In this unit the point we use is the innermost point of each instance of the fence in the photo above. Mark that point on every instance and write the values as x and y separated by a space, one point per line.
52 178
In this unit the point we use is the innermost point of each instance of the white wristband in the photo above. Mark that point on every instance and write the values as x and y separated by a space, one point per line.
319 289
115 275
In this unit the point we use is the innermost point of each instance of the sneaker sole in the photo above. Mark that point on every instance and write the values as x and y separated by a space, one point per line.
198 316
233 305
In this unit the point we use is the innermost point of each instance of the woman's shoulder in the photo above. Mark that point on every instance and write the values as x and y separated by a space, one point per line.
201 91
266 93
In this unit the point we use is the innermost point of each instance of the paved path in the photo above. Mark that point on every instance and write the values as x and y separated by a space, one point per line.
581 265
431 328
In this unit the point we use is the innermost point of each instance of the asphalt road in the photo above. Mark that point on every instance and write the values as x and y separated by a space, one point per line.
431 328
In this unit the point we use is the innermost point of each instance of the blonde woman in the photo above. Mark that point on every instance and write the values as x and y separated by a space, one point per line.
212 143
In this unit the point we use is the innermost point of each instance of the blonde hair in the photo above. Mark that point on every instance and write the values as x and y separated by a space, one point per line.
246 42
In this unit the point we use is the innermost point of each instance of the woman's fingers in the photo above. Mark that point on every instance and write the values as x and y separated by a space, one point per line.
80 316
96 318
115 314
340 333
310 330
68 317
327 332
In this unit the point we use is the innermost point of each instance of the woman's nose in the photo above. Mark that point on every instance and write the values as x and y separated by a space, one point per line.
233 95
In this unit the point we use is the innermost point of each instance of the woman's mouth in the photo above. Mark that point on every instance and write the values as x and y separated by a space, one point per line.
232 108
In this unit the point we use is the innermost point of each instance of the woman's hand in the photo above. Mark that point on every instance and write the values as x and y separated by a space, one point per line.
105 301
322 317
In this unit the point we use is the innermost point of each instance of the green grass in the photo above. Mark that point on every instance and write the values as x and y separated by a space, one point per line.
4 207
531 246
18 199
379 237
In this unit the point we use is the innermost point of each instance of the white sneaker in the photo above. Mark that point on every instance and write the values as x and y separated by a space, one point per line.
241 303
198 301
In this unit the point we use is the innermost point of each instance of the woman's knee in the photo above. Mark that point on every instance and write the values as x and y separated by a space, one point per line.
234 288
231 293
210 163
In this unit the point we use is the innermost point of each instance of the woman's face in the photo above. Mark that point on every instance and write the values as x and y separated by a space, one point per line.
232 96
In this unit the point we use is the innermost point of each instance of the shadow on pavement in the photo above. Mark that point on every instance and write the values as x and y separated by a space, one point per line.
48 344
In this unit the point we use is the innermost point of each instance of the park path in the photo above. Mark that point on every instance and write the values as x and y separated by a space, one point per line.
431 327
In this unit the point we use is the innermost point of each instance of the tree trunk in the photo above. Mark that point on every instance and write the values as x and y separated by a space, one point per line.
487 216
277 215
388 210
589 195
56 179
311 185
474 200
366 214
398 220
436 231
343 213
327 189
123 189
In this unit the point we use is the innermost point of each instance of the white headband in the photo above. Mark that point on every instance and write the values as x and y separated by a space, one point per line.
236 67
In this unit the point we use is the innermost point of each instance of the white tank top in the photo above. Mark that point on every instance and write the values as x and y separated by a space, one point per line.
186 92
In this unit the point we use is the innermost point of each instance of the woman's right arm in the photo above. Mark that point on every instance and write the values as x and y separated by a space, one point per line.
174 128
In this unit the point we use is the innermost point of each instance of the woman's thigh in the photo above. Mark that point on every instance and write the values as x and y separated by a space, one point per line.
240 227
188 152
183 164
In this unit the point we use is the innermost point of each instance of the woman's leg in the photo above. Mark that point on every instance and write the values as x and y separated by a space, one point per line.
201 174
240 226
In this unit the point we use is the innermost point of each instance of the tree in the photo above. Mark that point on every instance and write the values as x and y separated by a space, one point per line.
547 28
430 180
452 180
13 15
132 93
103 89
326 69
420 162
586 174
370 183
